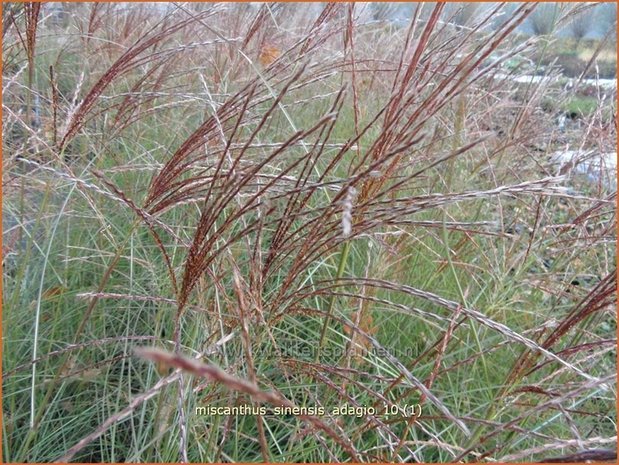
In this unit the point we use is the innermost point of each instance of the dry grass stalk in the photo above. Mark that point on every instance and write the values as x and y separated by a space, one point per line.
237 384
128 61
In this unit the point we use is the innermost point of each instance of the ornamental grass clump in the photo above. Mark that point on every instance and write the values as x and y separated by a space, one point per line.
245 205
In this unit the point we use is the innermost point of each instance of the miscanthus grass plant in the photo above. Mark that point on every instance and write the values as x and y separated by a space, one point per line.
224 205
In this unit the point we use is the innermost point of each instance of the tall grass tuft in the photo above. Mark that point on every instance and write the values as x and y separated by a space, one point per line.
303 208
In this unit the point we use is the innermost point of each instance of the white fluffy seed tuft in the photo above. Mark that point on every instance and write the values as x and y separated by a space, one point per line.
347 205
